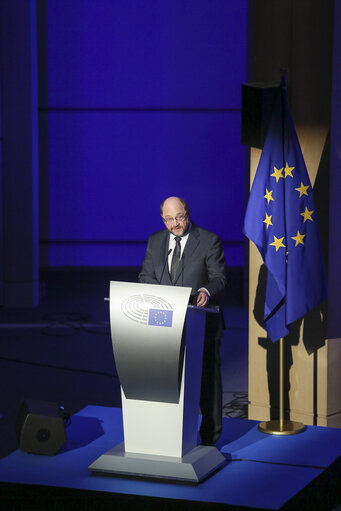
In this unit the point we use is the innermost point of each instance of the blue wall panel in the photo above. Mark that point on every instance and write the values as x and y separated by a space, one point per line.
108 172
150 53
138 101
112 254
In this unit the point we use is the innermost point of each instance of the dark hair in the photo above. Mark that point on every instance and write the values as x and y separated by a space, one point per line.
183 202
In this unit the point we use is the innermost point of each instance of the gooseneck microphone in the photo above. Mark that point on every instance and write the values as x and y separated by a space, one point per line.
164 266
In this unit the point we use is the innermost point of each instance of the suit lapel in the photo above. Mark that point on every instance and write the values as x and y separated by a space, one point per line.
192 242
163 261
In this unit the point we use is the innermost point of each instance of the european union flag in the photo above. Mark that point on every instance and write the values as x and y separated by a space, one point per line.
160 317
281 220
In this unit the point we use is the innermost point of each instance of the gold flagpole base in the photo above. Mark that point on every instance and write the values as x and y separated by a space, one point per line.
277 427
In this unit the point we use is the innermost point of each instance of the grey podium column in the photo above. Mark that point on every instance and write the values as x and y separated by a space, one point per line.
158 348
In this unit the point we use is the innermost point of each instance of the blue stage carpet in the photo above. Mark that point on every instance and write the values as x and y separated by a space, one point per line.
262 472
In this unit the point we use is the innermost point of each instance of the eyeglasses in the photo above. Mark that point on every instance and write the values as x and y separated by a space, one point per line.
179 218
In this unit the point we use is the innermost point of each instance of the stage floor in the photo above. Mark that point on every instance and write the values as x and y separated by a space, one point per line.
262 471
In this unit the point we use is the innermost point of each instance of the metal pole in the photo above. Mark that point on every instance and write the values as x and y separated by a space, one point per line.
281 426
281 386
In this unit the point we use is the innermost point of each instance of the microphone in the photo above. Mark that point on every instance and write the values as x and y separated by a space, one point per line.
164 266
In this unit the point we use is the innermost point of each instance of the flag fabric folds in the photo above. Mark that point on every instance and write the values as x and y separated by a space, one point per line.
281 220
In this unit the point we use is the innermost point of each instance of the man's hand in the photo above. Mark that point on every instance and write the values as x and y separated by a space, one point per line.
202 298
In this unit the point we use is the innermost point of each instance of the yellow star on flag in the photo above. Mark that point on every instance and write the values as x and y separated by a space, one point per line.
268 195
267 220
277 173
302 189
277 242
307 214
288 170
298 238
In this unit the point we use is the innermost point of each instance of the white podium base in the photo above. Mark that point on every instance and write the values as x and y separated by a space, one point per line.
195 466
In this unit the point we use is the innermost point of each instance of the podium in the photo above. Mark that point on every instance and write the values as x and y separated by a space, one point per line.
158 342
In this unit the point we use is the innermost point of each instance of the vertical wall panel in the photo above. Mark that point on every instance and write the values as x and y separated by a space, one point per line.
20 153
334 281
1 197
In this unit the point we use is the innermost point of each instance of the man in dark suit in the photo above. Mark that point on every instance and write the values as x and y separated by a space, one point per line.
186 255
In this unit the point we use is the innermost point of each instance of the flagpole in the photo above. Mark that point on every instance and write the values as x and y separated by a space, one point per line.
281 426
296 280
281 386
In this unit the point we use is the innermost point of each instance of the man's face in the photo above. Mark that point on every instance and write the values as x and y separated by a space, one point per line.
175 217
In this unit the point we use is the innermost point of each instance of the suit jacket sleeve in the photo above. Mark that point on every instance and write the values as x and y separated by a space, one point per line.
147 274
216 267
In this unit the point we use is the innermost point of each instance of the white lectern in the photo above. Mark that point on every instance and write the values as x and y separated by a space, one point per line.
158 344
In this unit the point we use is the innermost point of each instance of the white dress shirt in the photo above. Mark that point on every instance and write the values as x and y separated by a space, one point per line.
172 244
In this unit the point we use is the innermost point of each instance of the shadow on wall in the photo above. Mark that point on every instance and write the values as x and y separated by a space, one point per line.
313 337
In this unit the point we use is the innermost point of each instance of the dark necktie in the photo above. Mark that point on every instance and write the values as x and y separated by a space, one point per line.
175 258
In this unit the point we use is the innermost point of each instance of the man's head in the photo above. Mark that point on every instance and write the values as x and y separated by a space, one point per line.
175 214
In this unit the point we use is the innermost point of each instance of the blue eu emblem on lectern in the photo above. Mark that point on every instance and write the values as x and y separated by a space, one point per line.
160 317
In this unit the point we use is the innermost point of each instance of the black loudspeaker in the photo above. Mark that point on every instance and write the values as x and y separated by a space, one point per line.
40 427
257 103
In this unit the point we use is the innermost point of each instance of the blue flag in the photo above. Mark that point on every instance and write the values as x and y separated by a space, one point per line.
281 220
160 317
